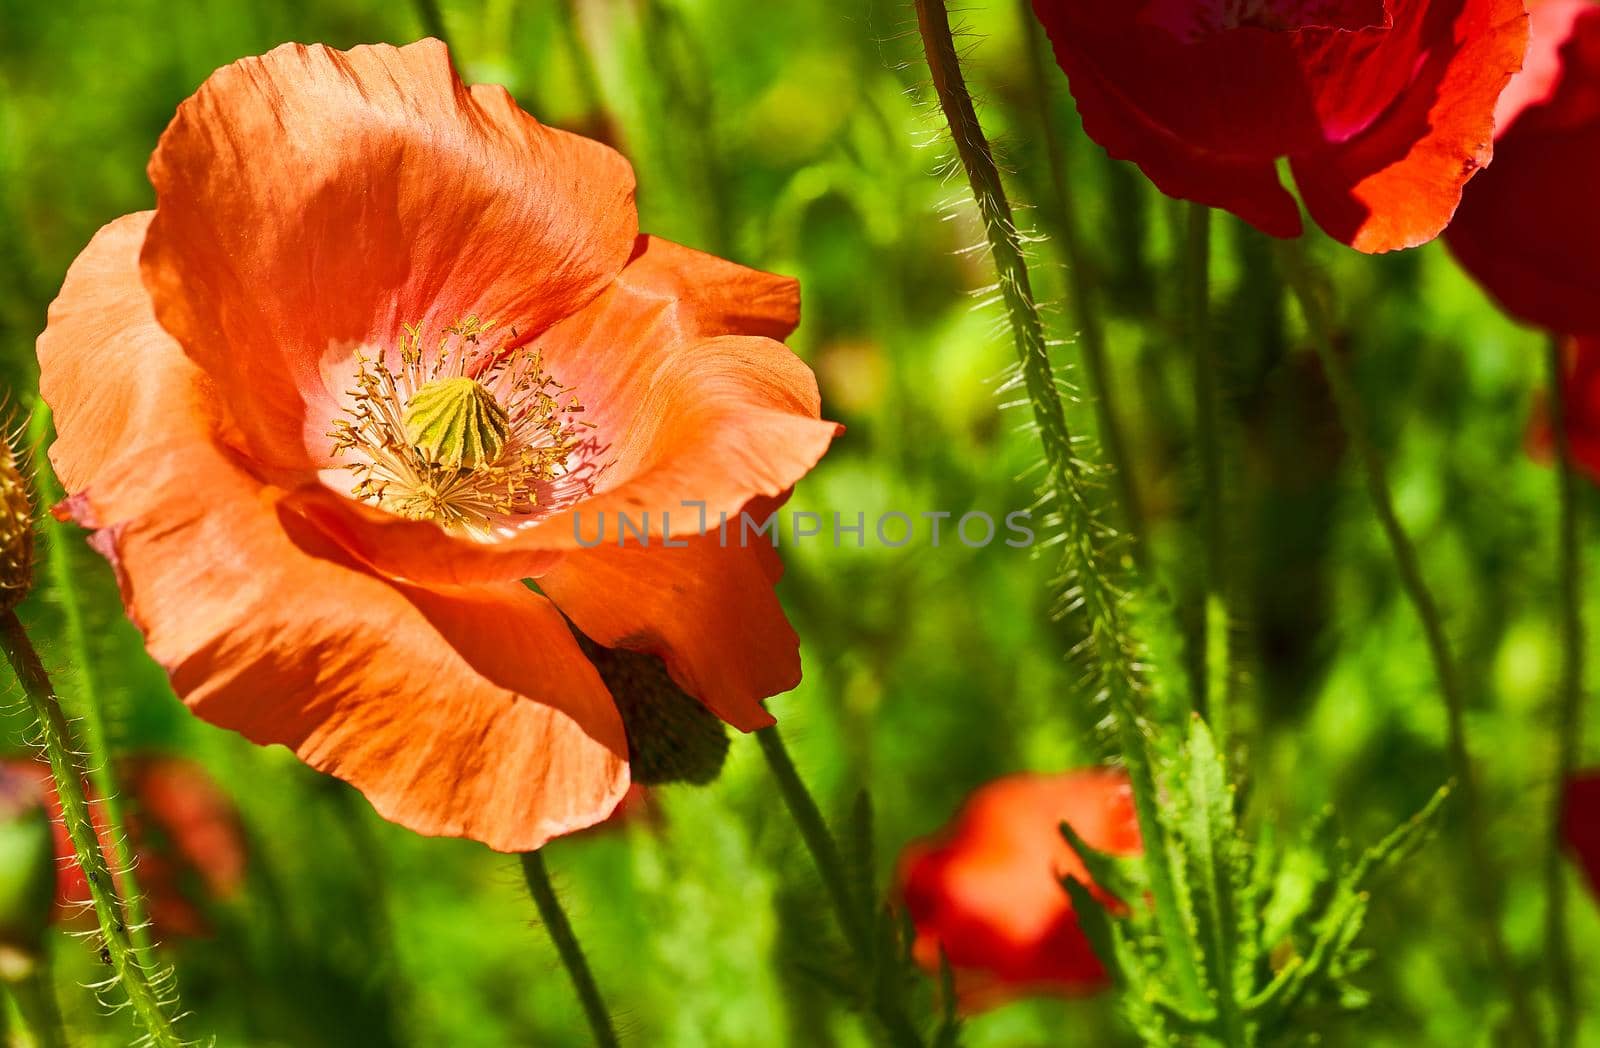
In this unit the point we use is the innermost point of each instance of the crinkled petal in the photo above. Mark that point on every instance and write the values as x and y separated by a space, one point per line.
311 201
461 711
1398 183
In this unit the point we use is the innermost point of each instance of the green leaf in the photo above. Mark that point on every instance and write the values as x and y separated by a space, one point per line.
1097 928
1210 844
1115 875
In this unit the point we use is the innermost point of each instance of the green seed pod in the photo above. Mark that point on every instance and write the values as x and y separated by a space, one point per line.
671 736
457 423
16 531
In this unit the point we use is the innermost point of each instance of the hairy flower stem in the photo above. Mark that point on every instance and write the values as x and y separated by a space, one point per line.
1569 703
1218 664
1085 558
852 913
1085 304
95 739
1485 875
566 943
59 747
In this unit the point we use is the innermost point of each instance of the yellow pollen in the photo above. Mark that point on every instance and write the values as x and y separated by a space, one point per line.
465 436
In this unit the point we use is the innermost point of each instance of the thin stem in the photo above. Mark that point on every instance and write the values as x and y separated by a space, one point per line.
60 748
566 942
1485 876
1085 301
1197 290
96 738
37 1007
582 62
852 913
1569 702
1085 558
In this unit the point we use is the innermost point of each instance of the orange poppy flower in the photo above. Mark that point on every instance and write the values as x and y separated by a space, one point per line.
987 894
381 347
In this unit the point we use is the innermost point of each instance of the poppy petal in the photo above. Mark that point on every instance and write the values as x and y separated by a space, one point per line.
313 201
708 610
1398 182
459 712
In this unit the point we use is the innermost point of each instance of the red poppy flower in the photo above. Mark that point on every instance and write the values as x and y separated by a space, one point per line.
1580 389
1580 824
1528 226
322 409
986 892
1383 107
185 833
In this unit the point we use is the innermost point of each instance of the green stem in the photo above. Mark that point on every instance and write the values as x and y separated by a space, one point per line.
1218 684
1085 301
60 748
1085 557
1484 874
852 913
582 62
37 1007
1569 703
432 20
96 738
566 943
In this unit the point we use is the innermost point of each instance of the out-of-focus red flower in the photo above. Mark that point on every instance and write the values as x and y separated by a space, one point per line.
1580 393
1580 824
1528 227
186 837
987 890
27 868
1383 107
382 345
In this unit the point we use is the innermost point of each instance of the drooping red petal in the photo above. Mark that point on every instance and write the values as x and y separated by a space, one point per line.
1399 181
1385 108
312 201
1528 225
459 711
1580 824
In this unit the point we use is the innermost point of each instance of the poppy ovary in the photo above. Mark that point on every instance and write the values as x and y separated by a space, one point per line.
457 423
16 528
464 435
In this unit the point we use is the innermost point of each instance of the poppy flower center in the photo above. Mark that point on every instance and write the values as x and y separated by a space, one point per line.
466 435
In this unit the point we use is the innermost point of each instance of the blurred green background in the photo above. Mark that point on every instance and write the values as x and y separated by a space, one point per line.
796 138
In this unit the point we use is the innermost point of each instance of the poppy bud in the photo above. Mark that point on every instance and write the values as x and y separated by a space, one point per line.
27 870
16 531
671 736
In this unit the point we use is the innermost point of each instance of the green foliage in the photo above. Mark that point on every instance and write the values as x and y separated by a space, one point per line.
927 671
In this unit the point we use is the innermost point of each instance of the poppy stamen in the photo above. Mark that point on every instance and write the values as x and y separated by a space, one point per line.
465 436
